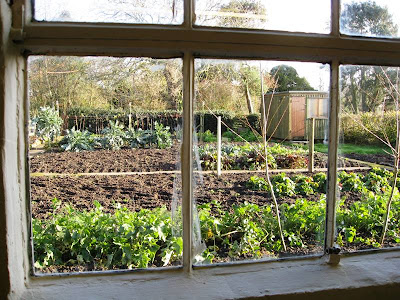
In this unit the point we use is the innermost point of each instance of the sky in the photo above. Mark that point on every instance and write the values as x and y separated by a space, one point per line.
289 15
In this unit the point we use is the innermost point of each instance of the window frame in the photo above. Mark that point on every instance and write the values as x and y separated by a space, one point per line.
189 41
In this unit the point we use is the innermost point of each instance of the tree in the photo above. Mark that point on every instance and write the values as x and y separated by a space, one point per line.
228 86
142 11
360 84
288 79
367 18
242 13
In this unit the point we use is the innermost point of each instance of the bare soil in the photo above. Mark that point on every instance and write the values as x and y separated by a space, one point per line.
381 159
126 160
135 191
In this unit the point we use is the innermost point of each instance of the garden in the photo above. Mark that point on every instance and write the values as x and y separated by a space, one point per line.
104 201
105 167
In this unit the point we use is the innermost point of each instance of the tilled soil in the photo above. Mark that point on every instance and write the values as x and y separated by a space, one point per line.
126 160
105 161
146 191
134 191
381 159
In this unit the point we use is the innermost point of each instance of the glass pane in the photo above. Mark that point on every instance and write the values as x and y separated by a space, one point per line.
287 15
105 162
110 11
237 217
379 18
369 134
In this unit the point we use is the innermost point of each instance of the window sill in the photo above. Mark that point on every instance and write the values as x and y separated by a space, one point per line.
367 273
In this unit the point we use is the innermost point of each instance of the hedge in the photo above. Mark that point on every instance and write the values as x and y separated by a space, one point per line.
94 120
379 123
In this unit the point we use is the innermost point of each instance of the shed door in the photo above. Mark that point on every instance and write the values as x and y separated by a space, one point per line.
298 117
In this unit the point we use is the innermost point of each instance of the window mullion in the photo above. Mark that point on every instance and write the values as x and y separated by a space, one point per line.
335 18
186 158
188 13
330 227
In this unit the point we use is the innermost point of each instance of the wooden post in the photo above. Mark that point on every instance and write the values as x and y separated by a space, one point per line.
202 124
311 133
130 116
219 146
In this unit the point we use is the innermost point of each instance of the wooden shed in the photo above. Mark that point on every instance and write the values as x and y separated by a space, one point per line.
290 111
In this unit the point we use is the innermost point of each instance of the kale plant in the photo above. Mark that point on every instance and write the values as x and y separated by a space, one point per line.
76 140
113 136
162 136
48 124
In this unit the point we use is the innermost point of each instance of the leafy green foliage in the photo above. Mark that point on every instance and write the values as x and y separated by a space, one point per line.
162 136
304 220
138 138
243 157
124 239
320 179
350 182
245 135
113 136
48 124
76 140
362 223
289 80
257 184
305 185
377 180
208 136
283 185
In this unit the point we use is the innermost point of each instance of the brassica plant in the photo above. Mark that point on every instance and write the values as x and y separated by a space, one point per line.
76 140
48 124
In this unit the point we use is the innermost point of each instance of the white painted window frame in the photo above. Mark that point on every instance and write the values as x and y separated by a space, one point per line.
189 42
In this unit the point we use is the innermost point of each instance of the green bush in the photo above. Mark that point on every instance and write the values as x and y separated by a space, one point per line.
305 185
207 137
380 124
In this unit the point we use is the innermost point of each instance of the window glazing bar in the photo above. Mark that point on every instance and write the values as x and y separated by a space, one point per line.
186 161
335 18
188 13
332 193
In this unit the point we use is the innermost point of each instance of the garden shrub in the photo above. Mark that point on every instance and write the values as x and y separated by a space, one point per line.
207 137
320 180
305 185
378 123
